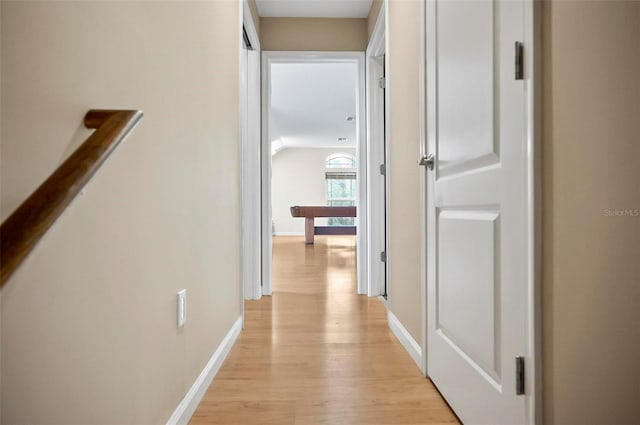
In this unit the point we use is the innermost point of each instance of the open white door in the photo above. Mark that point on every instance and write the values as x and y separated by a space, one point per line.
376 159
479 209
251 192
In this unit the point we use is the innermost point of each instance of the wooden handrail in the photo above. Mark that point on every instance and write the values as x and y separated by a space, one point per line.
22 230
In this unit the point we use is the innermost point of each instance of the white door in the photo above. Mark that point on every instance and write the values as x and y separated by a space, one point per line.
478 208
377 195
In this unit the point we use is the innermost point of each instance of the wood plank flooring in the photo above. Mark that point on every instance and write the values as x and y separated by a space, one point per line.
317 353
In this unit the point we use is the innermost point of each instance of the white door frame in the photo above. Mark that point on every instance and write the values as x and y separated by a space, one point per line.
375 156
533 119
422 76
250 135
268 58
532 84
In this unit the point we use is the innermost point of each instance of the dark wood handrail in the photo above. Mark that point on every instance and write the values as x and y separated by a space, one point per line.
22 230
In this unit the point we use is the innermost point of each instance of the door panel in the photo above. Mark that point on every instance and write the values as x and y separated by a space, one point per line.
465 72
467 294
476 214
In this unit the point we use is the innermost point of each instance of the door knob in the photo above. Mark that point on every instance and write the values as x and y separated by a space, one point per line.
427 161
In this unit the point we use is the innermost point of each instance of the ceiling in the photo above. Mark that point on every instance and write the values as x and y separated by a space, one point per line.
314 8
310 103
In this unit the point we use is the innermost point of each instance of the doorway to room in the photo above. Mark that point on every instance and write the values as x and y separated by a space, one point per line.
314 158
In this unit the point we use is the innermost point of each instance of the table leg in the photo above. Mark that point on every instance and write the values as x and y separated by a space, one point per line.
309 230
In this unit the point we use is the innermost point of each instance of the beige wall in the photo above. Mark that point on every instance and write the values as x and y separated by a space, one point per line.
89 321
376 6
403 149
313 34
591 262
298 178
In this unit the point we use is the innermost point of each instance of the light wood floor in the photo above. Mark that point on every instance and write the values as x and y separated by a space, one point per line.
317 353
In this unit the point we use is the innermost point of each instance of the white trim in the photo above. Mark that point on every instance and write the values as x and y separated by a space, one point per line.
423 187
387 135
288 234
375 156
361 196
250 116
192 399
265 185
532 59
250 26
376 44
268 58
405 338
242 110
383 300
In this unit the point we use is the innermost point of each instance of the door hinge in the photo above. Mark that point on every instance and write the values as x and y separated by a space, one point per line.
519 375
383 169
519 60
383 257
382 82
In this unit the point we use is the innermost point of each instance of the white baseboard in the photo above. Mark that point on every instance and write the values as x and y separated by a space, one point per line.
288 234
254 292
405 338
191 400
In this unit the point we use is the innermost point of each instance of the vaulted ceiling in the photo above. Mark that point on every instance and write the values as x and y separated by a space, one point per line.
313 105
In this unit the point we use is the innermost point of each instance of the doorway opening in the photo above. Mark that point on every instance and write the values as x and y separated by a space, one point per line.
314 174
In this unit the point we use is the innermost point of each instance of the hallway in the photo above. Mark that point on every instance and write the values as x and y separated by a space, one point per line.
317 353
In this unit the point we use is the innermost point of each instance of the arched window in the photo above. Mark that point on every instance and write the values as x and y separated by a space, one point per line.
341 160
341 186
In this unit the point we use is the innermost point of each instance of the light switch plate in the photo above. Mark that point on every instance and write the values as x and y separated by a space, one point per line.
182 308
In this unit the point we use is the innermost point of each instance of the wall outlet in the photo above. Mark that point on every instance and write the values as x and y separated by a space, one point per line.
182 308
